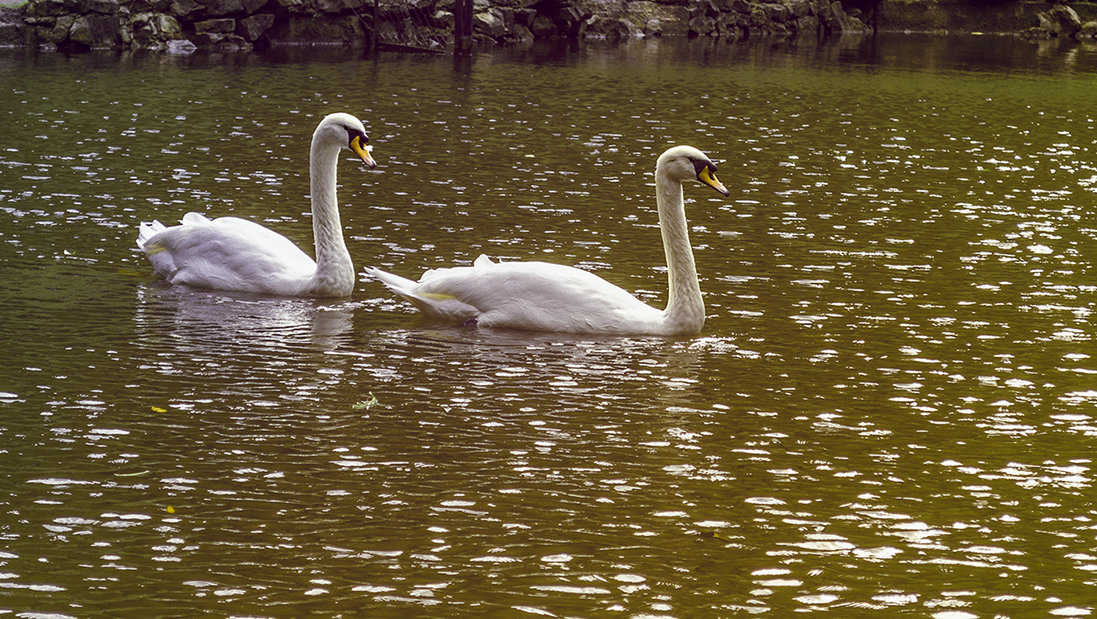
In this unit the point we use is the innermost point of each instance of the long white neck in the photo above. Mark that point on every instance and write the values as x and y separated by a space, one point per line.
334 269
685 312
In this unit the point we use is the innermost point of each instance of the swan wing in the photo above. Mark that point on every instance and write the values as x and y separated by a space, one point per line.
227 253
538 296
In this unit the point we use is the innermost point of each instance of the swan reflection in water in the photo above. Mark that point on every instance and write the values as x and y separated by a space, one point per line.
224 330
494 369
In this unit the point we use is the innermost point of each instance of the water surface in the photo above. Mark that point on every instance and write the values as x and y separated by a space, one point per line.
890 408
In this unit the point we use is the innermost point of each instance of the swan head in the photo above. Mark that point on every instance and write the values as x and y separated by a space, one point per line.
684 163
345 131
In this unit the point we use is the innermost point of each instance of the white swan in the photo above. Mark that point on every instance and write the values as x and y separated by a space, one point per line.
229 253
541 296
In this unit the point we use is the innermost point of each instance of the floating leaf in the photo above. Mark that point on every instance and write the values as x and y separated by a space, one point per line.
157 409
170 509
365 404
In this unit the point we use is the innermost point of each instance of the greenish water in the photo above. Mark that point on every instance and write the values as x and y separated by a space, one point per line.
890 410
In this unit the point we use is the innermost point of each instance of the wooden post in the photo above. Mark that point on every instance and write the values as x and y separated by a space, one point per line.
462 27
375 43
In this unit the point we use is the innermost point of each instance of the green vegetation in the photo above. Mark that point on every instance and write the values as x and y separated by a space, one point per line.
365 404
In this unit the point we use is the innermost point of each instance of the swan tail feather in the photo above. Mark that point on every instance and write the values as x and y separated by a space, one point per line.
394 282
435 304
147 230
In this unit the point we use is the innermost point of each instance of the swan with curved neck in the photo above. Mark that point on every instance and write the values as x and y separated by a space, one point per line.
542 296
234 254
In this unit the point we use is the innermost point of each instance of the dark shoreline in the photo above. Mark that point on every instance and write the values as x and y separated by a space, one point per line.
184 26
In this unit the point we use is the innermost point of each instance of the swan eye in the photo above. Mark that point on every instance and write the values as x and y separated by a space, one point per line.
699 166
357 137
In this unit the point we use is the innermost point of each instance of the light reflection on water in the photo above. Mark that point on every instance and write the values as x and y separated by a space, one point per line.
890 407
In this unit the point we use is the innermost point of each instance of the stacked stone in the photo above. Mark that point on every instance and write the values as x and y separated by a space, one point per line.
184 25
177 25
735 19
1063 21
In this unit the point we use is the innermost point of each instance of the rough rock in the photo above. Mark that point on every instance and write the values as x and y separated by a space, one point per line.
13 30
239 24
94 30
180 46
611 28
220 8
444 19
46 8
667 20
489 23
58 33
215 26
317 29
220 41
807 25
154 30
519 34
702 25
253 27
1060 21
184 8
105 7
293 7
339 6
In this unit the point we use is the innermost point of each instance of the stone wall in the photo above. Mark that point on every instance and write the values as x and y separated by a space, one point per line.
186 25
1036 18
737 19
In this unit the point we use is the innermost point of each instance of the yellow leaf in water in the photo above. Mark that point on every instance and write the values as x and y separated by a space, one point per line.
171 510
366 404
157 409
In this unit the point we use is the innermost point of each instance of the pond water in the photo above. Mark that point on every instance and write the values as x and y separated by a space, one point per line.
891 407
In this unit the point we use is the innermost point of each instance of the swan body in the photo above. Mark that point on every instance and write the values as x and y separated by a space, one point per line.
230 253
542 296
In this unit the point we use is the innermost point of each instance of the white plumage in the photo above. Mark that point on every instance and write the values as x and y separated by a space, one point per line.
542 296
229 253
